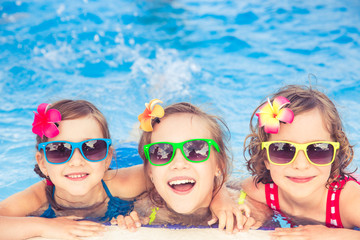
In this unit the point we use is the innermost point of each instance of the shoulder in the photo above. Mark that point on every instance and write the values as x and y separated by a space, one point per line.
126 182
349 204
255 191
24 202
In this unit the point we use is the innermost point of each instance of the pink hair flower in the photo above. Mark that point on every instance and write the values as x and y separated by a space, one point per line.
151 112
44 121
270 115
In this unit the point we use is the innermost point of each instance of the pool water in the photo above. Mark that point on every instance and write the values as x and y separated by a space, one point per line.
225 56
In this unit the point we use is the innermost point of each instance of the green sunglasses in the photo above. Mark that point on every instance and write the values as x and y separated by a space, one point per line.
194 150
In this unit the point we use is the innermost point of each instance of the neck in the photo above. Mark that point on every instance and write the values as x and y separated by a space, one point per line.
92 199
199 217
293 205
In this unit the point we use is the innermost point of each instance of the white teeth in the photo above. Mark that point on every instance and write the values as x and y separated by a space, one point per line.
178 182
76 175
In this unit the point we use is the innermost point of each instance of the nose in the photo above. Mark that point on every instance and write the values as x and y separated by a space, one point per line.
301 162
77 158
179 161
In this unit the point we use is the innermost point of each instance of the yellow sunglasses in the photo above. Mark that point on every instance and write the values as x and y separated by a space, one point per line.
321 153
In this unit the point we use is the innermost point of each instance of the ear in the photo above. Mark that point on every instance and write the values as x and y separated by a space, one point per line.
40 159
149 173
109 157
217 172
267 164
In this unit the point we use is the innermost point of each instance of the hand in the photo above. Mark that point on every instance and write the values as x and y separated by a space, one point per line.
314 232
131 222
69 228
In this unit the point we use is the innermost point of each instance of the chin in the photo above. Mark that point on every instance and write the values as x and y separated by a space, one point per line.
182 210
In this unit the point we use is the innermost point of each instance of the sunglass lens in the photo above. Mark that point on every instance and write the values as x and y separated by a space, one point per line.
320 153
58 152
95 150
281 153
160 153
197 150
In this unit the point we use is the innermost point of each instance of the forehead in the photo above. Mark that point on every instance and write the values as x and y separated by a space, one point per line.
307 127
79 129
180 127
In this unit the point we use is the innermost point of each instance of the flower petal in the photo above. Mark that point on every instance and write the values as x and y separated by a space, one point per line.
266 108
263 118
158 111
153 102
285 115
279 102
42 108
53 115
50 130
272 125
145 125
37 129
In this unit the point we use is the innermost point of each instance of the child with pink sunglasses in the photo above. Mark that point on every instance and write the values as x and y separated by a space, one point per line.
298 154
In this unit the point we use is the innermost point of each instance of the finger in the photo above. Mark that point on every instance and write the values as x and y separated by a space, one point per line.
91 227
240 219
229 221
121 222
246 209
72 217
144 220
136 219
130 224
222 220
213 220
85 233
250 223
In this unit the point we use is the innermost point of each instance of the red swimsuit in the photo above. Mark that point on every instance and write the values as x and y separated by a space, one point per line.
332 205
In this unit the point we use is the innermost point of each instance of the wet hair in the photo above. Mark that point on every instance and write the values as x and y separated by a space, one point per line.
302 99
69 110
219 133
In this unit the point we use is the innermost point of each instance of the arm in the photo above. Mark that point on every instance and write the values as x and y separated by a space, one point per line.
255 191
126 183
349 212
15 225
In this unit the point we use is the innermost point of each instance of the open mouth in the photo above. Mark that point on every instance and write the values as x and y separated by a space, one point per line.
182 185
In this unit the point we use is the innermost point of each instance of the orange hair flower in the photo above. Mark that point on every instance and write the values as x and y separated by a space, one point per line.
151 111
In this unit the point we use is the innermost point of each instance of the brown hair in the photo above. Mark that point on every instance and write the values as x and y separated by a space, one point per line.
71 109
219 133
302 99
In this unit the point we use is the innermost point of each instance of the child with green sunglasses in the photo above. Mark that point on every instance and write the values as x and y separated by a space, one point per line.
298 154
187 162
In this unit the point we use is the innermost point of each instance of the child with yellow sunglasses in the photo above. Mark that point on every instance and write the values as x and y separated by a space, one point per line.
298 155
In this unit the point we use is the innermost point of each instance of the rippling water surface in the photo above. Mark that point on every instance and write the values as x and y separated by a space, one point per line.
225 56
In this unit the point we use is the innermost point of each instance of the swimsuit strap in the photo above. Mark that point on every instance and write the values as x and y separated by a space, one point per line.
49 212
333 218
116 206
271 194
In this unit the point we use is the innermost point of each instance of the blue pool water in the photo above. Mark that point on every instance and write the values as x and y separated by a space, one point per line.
225 56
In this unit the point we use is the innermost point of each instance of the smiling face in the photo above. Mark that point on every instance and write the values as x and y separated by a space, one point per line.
77 177
301 179
185 186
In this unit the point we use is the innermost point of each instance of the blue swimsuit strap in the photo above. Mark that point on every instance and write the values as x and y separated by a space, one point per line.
116 206
49 212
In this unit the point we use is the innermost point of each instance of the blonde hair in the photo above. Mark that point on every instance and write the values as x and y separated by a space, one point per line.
219 132
302 99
